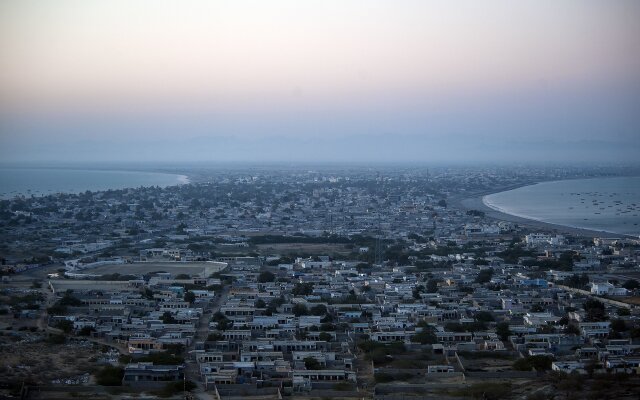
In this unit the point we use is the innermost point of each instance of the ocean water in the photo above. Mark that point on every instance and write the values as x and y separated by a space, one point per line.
602 204
41 181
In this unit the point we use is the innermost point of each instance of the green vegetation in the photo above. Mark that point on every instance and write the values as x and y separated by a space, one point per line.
512 254
319 310
383 377
466 327
563 263
484 391
168 318
484 316
189 296
380 353
302 289
426 335
576 281
174 388
56 339
65 325
162 358
484 276
60 306
266 276
110 376
478 355
503 331
311 363
595 310
540 363
300 309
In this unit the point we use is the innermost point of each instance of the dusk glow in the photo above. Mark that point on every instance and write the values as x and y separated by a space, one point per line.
253 69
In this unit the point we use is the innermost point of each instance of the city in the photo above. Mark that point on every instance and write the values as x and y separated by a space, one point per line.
329 283
312 200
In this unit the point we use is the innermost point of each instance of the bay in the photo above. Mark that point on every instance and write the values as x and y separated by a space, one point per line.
602 204
44 181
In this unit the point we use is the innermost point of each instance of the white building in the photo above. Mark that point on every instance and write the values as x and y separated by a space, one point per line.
607 289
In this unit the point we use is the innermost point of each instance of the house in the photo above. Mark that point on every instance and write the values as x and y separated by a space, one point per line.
608 289
148 375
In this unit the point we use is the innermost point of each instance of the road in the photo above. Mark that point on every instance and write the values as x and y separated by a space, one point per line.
202 331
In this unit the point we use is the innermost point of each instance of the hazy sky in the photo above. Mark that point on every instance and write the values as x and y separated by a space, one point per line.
90 80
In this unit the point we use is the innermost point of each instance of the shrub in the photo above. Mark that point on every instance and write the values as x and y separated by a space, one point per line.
382 377
56 339
110 376
540 363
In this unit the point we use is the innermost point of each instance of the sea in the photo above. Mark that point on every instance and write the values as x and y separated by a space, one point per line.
601 204
44 181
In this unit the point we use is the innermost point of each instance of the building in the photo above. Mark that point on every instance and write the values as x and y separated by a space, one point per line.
148 375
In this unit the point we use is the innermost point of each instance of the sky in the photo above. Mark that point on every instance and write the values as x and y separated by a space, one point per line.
309 80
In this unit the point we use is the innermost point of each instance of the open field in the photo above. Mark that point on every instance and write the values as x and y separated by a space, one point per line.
630 300
311 248
145 268
33 359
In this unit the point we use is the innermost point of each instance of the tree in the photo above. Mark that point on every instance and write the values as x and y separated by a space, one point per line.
86 331
631 284
618 325
224 324
65 325
68 299
311 363
319 310
299 309
266 276
624 312
325 337
426 335
167 318
189 296
260 304
572 329
484 316
536 308
595 310
110 376
503 331
540 363
302 289
417 290
432 285
484 276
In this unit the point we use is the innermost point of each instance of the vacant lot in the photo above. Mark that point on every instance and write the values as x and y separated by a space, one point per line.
303 248
29 357
145 268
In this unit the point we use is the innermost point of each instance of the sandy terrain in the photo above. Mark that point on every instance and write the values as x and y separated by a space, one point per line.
475 203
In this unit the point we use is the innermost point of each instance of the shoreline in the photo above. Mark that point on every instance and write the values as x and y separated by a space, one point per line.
180 179
476 202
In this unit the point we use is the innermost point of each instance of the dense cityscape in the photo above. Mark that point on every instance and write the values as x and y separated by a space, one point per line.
314 282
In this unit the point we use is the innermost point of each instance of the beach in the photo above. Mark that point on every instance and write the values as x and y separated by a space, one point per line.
18 181
476 203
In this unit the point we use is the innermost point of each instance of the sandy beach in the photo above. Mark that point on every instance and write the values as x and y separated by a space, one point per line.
476 203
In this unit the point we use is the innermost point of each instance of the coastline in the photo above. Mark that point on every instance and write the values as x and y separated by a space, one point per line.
178 180
476 202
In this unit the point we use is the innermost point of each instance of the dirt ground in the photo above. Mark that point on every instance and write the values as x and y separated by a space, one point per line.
144 268
28 357
298 248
